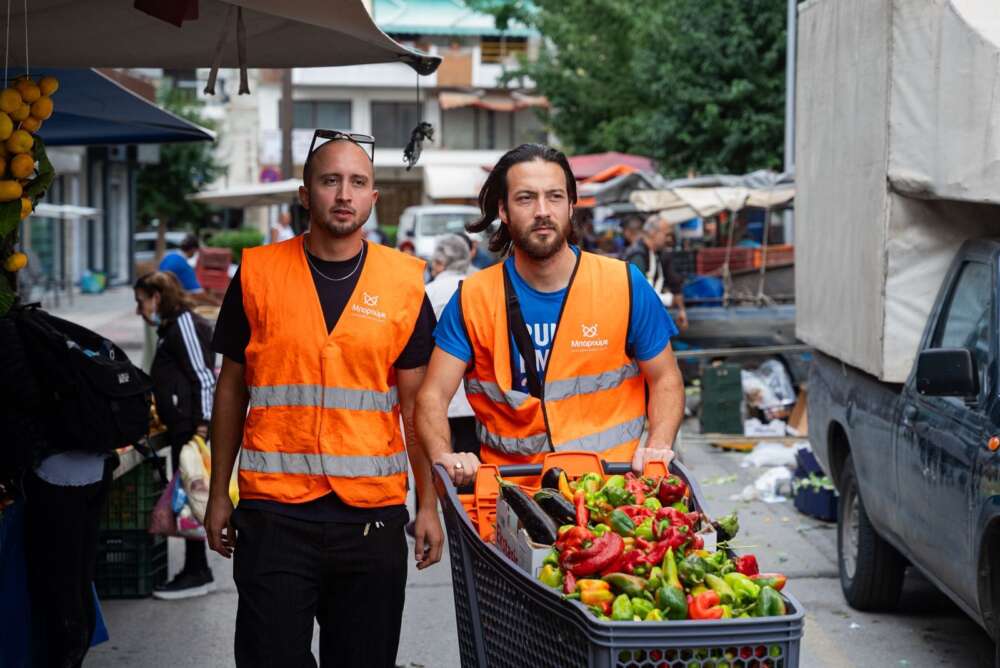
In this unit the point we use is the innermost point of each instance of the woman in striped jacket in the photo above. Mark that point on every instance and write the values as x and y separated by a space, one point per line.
183 373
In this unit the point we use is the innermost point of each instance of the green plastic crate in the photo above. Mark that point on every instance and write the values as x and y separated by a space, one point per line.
132 497
129 564
721 417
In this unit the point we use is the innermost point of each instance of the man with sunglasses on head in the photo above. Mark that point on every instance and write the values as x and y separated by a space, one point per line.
325 339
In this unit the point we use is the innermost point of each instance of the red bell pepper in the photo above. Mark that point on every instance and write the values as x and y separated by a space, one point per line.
636 513
746 564
569 583
604 551
705 606
671 490
674 516
636 488
697 542
582 514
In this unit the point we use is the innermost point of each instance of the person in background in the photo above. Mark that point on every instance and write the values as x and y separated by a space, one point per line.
181 264
183 385
631 231
408 248
281 230
644 253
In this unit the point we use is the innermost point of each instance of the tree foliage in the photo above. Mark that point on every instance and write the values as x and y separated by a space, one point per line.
184 168
694 85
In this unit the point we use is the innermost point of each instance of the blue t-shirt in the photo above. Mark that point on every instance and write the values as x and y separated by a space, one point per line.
650 330
177 264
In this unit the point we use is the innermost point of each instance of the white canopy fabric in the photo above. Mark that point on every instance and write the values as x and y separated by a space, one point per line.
64 211
252 194
279 33
705 202
453 181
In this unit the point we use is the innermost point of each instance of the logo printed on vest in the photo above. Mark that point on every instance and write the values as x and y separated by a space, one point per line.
369 310
590 342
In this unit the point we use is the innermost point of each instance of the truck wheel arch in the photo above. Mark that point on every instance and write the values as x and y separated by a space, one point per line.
839 447
988 580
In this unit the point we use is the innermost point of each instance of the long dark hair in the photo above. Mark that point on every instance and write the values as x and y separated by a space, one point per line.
494 190
173 299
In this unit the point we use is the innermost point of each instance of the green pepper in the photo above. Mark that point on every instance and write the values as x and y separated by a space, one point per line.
618 496
621 523
552 558
645 529
719 564
654 615
669 568
621 609
655 578
691 570
680 506
626 584
672 602
769 603
642 607
600 529
551 576
727 611
719 586
591 482
652 503
746 589
616 481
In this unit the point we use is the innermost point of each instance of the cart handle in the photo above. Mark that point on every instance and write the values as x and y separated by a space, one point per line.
525 470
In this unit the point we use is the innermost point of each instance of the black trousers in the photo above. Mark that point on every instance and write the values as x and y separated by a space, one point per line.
290 572
61 533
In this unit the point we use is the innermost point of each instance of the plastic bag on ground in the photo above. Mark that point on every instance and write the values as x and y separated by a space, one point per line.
767 487
769 387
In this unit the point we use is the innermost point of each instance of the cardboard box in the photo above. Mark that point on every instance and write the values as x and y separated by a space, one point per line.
513 541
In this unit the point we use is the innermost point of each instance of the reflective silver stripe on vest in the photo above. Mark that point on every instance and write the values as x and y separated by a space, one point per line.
340 466
607 380
267 396
609 438
514 398
526 445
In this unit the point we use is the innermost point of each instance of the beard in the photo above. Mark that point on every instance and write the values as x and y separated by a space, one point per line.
338 228
539 249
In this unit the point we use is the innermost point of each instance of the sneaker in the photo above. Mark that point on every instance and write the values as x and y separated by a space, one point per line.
185 585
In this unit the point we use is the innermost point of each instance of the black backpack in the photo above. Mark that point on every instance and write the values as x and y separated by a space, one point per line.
87 393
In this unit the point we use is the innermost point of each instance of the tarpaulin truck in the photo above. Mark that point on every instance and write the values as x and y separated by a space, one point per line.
897 246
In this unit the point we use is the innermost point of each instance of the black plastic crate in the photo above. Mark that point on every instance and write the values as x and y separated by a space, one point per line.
507 619
132 497
129 563
818 503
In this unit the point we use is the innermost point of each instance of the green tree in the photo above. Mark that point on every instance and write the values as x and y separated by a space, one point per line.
184 168
694 85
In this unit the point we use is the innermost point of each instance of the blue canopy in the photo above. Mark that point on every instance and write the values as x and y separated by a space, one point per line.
92 109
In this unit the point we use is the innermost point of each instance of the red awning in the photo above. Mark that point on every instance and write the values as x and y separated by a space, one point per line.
588 166
504 102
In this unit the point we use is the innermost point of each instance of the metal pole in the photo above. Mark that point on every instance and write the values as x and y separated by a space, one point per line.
287 112
790 56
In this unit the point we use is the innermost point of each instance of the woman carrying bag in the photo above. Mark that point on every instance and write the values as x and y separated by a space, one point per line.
183 385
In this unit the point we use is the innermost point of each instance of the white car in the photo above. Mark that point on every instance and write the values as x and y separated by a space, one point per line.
144 244
422 225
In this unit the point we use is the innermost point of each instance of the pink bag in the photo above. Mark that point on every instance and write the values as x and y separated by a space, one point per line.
162 520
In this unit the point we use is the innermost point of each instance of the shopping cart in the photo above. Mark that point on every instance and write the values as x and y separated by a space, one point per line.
507 619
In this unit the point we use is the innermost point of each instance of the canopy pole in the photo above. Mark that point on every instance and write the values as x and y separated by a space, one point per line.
791 54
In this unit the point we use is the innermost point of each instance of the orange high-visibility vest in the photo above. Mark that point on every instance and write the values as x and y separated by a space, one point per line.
324 411
593 396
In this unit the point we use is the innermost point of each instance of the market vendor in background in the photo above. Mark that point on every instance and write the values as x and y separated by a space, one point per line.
183 384
592 331
646 253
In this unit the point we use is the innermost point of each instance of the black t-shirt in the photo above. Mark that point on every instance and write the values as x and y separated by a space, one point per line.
232 335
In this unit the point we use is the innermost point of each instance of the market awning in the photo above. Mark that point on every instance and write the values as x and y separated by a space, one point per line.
278 33
453 181
710 201
586 166
92 109
505 102
439 17
252 194
64 211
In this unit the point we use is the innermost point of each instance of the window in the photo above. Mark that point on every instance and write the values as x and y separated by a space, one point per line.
965 322
328 115
497 50
483 129
392 123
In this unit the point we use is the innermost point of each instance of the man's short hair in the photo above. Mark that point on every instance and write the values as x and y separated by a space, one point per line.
190 243
452 252
652 224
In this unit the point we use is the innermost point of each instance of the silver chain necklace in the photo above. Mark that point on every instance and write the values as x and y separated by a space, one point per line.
361 257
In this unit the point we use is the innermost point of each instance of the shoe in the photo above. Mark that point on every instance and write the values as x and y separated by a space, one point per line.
185 585
411 529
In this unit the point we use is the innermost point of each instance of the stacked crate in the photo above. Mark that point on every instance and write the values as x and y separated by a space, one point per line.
130 560
721 399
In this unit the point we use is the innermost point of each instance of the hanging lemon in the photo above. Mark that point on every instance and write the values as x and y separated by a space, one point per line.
10 100
16 262
6 126
48 85
31 124
21 112
20 141
22 165
41 108
9 190
26 207
28 89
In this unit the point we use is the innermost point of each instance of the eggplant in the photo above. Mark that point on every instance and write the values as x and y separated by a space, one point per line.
551 478
556 505
540 527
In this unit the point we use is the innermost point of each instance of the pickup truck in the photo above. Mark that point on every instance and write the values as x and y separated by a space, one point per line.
917 465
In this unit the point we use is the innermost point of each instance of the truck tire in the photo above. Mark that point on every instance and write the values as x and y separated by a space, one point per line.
871 570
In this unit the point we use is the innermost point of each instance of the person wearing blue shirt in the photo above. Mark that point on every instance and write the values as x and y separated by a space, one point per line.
177 263
532 191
